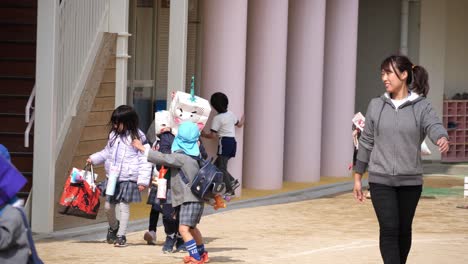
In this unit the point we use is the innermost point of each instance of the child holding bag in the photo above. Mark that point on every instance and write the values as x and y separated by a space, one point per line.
127 170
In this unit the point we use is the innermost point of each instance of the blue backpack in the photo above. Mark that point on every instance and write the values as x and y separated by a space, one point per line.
208 181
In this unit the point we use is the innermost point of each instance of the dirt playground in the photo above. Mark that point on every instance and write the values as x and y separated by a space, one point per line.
327 230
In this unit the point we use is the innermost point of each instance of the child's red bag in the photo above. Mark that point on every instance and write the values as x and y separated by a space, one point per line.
79 199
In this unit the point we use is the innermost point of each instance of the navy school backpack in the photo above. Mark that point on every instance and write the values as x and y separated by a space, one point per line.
208 181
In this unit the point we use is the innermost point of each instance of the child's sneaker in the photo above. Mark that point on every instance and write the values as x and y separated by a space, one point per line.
227 197
112 234
234 185
168 246
150 237
192 260
121 241
205 257
180 245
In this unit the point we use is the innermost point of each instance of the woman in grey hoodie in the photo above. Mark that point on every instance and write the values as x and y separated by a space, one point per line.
390 146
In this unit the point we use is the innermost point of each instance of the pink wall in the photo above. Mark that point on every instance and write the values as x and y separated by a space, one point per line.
265 93
304 84
224 30
339 86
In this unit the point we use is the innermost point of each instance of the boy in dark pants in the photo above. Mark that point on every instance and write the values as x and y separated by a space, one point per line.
184 148
223 126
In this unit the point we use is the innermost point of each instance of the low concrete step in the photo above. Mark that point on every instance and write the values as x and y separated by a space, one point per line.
446 168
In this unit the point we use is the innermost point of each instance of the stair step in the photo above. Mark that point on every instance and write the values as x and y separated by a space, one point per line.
17 31
27 187
18 49
18 67
15 123
15 141
13 103
23 161
22 195
19 3
16 86
18 14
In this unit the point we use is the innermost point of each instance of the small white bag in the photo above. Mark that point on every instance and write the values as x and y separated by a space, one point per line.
425 151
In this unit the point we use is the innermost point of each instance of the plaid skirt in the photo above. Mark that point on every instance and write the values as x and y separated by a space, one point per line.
190 213
126 191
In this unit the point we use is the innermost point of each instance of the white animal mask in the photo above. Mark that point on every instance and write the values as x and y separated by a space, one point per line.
162 119
187 107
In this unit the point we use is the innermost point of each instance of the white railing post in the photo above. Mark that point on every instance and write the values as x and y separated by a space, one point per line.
118 23
45 126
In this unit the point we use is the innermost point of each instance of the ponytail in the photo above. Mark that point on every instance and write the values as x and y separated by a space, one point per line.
420 82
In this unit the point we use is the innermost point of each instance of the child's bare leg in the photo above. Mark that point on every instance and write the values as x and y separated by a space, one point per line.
196 235
185 233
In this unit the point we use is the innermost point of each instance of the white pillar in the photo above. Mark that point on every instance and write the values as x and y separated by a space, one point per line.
118 23
43 188
223 64
404 27
339 86
177 47
265 93
306 38
433 25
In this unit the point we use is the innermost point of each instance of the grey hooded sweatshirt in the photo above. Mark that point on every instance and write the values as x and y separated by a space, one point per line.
390 144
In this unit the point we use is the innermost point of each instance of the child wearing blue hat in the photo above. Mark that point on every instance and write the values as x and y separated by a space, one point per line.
184 148
14 246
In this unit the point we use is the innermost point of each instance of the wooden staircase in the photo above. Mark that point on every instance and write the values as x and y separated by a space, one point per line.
18 19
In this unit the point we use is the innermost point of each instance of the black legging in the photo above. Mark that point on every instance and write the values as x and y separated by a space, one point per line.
171 225
221 163
395 208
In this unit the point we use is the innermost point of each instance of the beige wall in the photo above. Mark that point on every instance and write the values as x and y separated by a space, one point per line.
378 37
432 51
93 138
456 56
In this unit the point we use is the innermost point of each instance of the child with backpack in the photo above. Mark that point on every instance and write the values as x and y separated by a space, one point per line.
185 149
14 245
223 126
163 143
126 167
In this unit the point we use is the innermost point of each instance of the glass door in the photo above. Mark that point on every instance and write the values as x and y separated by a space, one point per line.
141 77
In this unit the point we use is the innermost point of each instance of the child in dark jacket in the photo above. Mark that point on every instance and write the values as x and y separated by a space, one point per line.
184 148
163 143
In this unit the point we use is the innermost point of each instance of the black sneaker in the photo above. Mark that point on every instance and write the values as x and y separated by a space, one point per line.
180 245
234 185
168 246
121 241
112 234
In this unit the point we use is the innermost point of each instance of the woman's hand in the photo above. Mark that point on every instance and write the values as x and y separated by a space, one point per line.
141 188
138 145
89 161
357 190
443 144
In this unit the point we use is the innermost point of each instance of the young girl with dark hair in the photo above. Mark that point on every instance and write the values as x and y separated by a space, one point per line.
121 158
390 146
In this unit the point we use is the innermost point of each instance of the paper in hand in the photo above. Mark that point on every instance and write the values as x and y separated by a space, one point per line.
359 121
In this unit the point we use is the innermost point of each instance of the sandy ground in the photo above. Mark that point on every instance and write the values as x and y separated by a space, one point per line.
327 230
